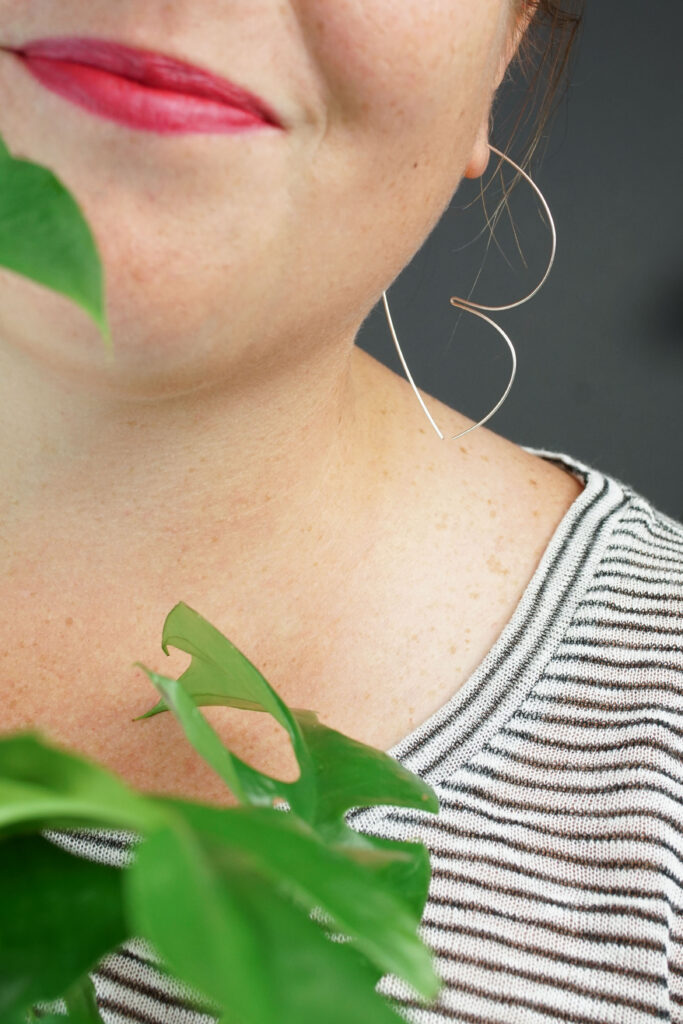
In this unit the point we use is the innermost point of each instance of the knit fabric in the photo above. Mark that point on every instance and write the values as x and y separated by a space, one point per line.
556 889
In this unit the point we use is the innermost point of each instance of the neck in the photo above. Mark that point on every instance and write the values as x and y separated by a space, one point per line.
249 477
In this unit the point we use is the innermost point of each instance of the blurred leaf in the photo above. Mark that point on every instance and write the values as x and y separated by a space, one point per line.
81 1001
276 966
178 901
407 876
42 785
45 237
227 896
60 915
284 851
339 982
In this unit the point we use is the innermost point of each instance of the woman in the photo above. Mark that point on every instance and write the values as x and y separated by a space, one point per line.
488 613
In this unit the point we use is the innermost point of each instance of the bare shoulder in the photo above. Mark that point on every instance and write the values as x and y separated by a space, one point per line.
514 500
464 529
487 473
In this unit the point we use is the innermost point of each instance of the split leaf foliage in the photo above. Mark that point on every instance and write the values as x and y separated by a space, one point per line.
272 912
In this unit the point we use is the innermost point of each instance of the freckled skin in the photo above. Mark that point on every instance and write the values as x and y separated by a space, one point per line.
242 454
375 127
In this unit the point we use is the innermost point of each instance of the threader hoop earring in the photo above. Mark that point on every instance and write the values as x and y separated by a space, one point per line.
472 307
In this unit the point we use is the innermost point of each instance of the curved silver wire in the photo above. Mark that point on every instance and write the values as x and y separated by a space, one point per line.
473 307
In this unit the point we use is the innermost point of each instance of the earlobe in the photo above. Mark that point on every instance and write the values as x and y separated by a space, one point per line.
479 159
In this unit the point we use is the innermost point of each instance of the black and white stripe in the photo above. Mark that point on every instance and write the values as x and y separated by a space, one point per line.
557 855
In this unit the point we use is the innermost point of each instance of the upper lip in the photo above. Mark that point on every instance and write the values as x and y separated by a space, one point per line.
156 70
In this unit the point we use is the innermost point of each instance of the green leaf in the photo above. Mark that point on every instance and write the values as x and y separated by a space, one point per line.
81 1001
177 900
336 772
406 871
227 895
352 774
205 739
43 786
335 981
286 852
60 915
205 680
243 944
45 237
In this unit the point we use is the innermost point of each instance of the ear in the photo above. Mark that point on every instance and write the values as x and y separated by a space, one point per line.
479 157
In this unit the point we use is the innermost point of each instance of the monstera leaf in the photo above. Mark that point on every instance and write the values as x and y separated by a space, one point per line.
272 912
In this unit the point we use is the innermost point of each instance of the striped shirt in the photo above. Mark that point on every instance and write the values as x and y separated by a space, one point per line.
557 855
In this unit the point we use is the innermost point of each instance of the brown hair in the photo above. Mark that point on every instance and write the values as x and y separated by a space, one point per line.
544 58
552 34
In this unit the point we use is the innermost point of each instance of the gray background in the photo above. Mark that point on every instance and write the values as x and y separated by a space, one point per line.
600 347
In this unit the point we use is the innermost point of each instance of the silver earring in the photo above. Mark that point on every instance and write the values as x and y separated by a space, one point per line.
472 307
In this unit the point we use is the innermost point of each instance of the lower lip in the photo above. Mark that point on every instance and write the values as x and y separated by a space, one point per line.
138 106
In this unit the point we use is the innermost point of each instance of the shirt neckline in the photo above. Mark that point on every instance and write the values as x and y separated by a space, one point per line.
456 731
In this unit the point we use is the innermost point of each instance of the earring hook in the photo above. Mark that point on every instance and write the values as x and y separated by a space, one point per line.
473 307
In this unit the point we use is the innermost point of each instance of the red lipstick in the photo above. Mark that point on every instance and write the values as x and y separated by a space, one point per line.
143 89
